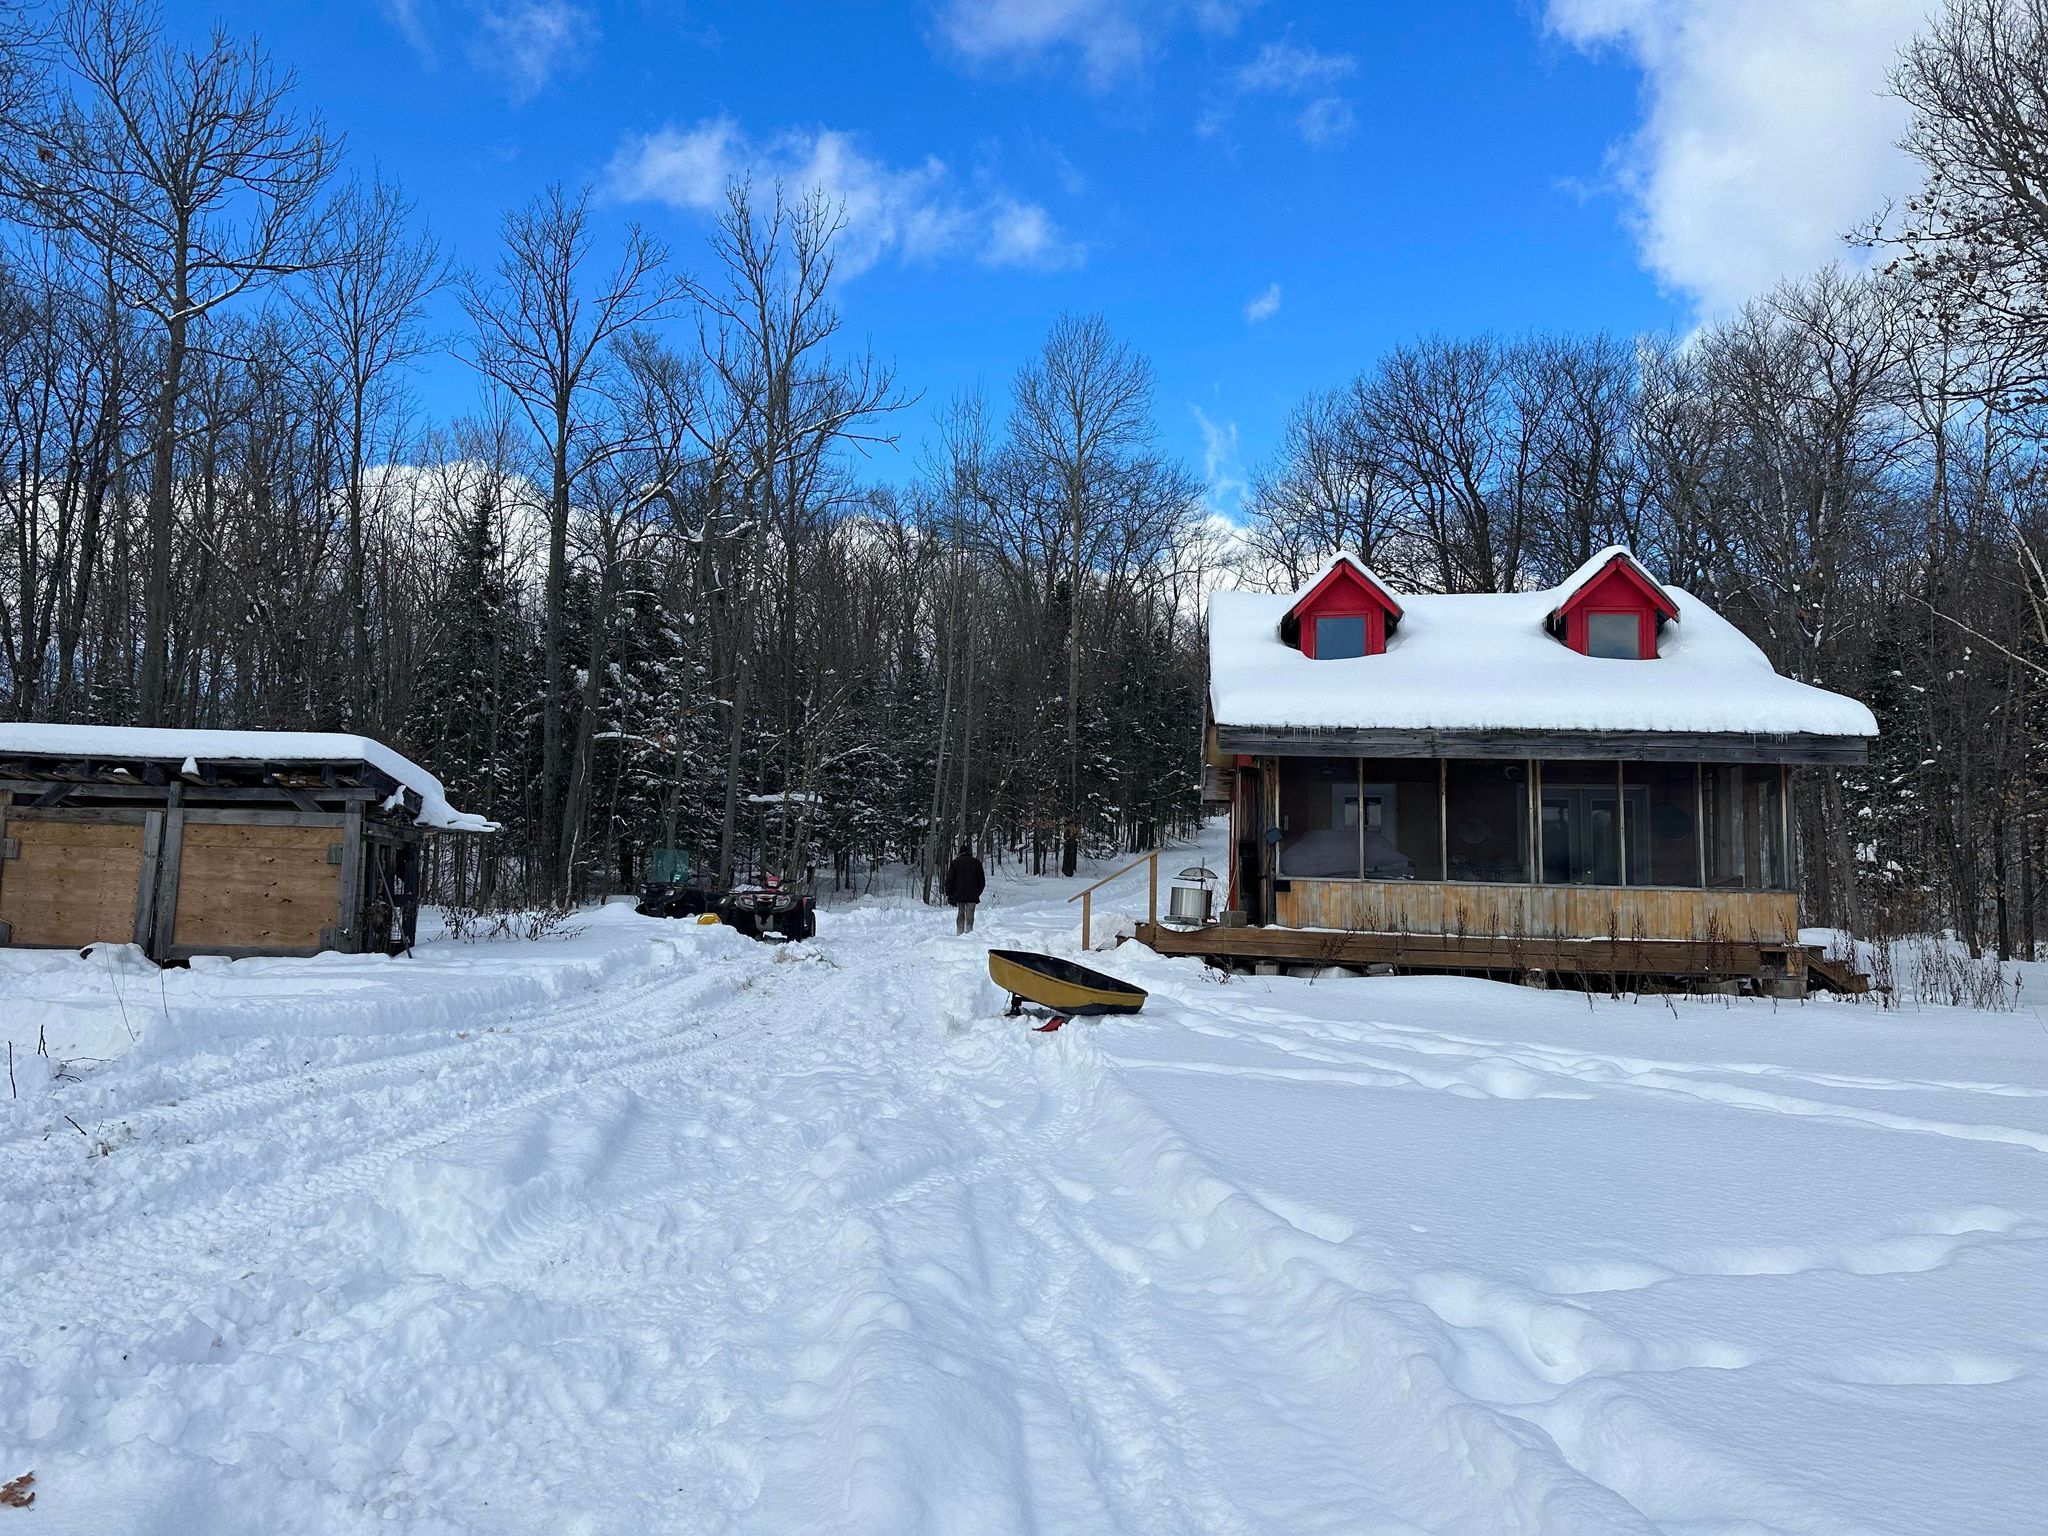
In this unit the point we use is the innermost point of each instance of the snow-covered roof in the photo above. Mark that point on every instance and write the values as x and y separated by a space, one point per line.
195 747
1562 594
1358 568
1485 662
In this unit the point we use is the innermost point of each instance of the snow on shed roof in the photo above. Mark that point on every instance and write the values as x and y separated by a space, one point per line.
176 745
1484 661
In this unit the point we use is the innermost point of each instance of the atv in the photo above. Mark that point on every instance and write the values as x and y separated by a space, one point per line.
768 908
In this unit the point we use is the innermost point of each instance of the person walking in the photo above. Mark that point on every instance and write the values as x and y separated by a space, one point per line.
965 881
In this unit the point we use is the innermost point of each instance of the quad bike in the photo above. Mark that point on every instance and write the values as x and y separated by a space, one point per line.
769 908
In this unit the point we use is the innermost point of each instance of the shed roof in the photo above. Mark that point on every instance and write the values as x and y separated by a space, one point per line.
1486 662
174 746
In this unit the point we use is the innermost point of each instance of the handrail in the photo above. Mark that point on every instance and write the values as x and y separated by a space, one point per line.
1087 896
1098 885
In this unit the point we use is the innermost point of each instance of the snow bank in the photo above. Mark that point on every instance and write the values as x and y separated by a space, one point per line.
194 747
1484 661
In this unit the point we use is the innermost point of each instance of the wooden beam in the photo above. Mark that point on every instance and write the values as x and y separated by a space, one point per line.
312 818
349 935
277 795
1629 746
170 859
145 884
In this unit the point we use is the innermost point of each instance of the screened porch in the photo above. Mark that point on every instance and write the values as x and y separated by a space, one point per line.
1526 821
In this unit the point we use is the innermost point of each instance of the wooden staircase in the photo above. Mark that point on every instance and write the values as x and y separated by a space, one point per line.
1833 975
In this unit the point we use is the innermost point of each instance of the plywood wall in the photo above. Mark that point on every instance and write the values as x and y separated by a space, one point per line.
248 887
75 882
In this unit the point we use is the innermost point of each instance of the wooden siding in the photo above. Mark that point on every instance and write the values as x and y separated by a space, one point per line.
243 887
74 882
1539 911
1589 959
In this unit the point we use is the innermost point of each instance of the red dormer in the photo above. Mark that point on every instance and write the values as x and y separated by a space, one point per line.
1611 607
1345 611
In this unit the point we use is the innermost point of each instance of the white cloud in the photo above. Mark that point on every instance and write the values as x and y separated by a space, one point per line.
1108 37
525 43
1264 306
915 213
1326 120
1289 69
1766 130
405 15
1222 465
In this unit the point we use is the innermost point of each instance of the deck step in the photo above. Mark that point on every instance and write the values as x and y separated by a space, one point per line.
1834 975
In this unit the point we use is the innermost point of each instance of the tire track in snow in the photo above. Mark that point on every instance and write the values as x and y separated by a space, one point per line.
288 1087
144 1263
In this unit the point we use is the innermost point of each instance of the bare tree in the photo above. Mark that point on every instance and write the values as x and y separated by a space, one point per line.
767 324
364 306
1082 427
544 334
194 173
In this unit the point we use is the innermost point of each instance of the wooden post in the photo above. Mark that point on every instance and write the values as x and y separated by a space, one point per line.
1087 901
170 854
1152 893
348 935
145 884
1699 819
6 799
1621 825
1443 817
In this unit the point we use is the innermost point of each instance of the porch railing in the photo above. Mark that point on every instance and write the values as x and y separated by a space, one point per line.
1087 897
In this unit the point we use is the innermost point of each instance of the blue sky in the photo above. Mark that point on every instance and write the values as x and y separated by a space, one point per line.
1261 196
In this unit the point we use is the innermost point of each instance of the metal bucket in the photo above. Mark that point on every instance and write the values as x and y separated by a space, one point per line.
1189 904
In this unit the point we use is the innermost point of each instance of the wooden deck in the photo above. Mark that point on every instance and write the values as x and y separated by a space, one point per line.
1515 958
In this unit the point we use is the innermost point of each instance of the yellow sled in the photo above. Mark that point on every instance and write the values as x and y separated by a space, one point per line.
1067 989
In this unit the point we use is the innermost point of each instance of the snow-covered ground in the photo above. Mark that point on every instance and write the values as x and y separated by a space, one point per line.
647 1228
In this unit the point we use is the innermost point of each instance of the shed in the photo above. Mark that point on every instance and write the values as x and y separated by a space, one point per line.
236 843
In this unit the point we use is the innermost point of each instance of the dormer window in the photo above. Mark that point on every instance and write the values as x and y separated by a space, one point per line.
1617 636
1339 635
1345 612
1611 609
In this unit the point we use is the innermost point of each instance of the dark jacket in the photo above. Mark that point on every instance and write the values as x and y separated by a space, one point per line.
964 879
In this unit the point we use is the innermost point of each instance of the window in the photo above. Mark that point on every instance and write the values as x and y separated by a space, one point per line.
1486 820
1744 826
1338 637
1617 636
1403 832
1581 823
1662 823
1321 813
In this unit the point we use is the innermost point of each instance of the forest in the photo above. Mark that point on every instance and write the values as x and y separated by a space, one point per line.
652 595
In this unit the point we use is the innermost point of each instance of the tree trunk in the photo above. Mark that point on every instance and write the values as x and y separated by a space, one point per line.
153 687
551 829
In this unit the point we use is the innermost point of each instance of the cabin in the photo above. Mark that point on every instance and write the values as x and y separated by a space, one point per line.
213 842
1589 781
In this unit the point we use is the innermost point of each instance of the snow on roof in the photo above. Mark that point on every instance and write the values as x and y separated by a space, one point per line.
1358 568
195 747
1585 575
1484 661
